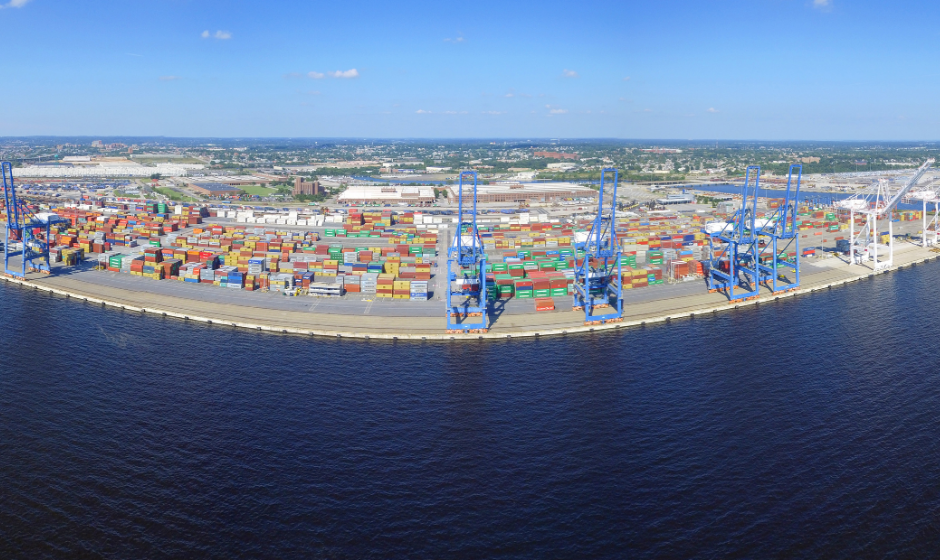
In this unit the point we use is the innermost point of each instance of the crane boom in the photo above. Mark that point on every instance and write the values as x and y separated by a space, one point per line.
907 187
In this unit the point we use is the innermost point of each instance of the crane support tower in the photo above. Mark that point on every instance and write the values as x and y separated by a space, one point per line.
780 229
733 266
27 234
878 203
598 278
466 270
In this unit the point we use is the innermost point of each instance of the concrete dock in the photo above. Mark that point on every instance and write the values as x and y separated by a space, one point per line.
418 321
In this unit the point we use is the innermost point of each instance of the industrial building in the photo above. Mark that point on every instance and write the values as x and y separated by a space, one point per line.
676 199
388 194
214 189
528 192
555 155
239 180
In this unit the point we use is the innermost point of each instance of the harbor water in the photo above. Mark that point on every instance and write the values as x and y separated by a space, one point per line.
807 427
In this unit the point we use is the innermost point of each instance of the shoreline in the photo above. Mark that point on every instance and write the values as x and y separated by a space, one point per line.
218 311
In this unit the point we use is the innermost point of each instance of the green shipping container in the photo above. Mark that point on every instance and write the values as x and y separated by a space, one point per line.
559 292
542 293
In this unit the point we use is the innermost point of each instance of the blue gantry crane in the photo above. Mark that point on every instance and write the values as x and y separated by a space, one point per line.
733 266
598 278
466 269
780 229
27 234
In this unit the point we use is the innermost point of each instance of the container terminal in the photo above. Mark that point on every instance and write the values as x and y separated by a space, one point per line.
471 273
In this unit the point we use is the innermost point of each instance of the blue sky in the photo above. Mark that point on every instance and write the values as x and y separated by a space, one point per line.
754 69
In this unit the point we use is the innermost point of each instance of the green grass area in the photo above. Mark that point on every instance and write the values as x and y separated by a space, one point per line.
174 195
257 189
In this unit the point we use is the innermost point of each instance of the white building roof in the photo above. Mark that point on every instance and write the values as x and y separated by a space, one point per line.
388 192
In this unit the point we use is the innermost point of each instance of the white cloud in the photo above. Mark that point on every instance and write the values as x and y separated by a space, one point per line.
450 112
351 73
627 79
822 4
647 110
558 111
569 73
15 4
423 112
494 112
458 39
510 95
220 35
169 78
316 75
712 110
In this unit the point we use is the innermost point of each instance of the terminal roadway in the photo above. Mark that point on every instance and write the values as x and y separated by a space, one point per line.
360 317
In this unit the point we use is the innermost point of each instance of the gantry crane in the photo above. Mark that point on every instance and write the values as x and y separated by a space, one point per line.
876 203
27 234
780 229
598 278
735 264
466 270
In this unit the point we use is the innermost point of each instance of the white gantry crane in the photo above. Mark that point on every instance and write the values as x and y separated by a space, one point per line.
876 203
929 229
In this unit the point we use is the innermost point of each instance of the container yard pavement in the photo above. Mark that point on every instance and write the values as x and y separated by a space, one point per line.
308 315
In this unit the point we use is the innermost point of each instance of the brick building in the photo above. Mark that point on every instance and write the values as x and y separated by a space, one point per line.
308 188
555 155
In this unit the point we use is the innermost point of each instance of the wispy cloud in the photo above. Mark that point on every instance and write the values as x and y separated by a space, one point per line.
220 35
351 73
712 110
627 79
423 112
15 4
457 39
312 92
558 111
647 110
341 74
569 73
493 112
822 4
169 78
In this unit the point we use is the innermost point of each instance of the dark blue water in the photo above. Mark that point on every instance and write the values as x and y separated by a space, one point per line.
808 428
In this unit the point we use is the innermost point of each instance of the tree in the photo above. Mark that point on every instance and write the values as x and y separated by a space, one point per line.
155 176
